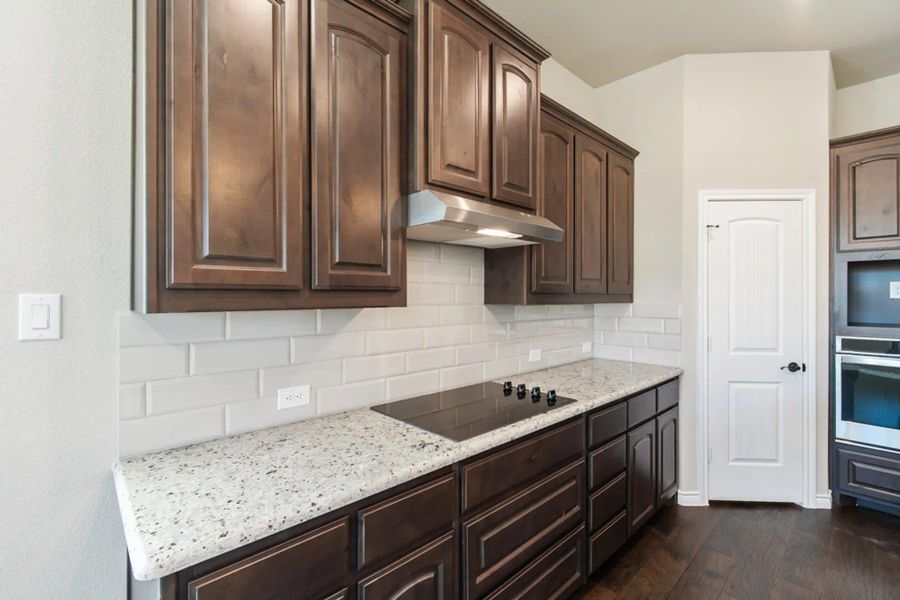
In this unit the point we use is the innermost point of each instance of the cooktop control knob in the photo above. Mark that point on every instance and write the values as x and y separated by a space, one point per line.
551 397
536 393
507 388
520 391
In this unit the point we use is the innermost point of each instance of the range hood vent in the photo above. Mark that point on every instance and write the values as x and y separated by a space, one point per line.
449 219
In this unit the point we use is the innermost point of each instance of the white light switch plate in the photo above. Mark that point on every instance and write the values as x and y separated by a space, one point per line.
585 347
895 290
293 397
40 317
534 355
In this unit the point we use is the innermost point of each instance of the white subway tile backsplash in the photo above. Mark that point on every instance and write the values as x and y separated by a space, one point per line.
170 430
152 362
624 338
466 255
412 316
668 358
612 310
419 251
502 367
264 412
640 324
672 326
426 360
132 398
267 324
397 340
464 375
315 374
656 310
311 348
185 393
476 353
348 397
429 294
489 332
351 319
136 329
456 315
664 342
469 294
414 384
223 357
613 352
373 367
448 273
452 335
605 323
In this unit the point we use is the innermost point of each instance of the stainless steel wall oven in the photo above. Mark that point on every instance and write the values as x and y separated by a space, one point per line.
867 391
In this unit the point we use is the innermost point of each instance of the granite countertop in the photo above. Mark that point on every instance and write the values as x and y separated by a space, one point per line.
183 506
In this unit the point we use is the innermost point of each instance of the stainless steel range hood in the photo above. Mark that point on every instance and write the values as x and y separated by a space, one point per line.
448 219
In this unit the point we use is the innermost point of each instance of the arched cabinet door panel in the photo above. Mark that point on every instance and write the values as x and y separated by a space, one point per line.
590 216
459 103
235 155
357 127
621 224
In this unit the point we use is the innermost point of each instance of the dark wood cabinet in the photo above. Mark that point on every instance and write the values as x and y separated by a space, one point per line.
426 574
866 186
552 262
229 145
642 482
515 127
667 456
586 180
358 109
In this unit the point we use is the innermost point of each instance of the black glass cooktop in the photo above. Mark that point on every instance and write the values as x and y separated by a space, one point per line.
469 411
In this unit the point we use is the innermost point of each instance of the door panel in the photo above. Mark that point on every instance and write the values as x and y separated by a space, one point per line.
515 89
428 573
869 195
756 325
590 216
459 111
235 129
357 127
641 475
667 459
552 263
621 224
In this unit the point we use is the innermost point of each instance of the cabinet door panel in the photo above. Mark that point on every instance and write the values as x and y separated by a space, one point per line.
667 455
235 135
868 193
428 573
459 111
515 89
621 224
590 216
358 68
552 263
641 475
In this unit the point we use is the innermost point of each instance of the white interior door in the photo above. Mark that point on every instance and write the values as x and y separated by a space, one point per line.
755 324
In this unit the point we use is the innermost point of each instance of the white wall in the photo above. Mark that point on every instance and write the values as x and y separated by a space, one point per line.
753 121
566 88
867 106
65 126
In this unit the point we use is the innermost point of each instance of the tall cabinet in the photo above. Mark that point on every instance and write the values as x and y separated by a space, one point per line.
251 192
587 188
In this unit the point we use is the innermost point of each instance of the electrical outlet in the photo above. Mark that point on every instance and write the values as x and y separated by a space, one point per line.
585 347
293 397
534 355
895 290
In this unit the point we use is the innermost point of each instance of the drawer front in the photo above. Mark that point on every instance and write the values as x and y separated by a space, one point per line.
341 595
555 574
876 477
666 396
606 462
494 476
607 540
317 562
607 502
641 407
607 424
404 521
429 572
500 541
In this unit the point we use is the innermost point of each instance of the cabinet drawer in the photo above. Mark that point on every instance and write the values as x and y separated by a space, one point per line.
666 396
869 475
555 574
429 572
500 541
317 562
399 523
607 540
641 407
607 424
606 462
606 502
499 473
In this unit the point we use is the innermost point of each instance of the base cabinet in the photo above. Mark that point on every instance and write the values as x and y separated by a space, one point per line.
427 573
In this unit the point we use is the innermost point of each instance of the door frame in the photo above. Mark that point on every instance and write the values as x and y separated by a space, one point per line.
807 198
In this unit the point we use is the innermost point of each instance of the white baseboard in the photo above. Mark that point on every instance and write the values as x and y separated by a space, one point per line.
823 500
690 498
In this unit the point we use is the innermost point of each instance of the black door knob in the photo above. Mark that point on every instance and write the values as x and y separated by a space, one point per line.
792 367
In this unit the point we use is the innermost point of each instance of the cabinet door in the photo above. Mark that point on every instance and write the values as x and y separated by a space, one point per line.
590 215
621 224
459 103
515 134
235 135
868 195
552 263
667 455
357 218
641 475
428 573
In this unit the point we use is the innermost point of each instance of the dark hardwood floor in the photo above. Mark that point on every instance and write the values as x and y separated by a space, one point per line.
756 551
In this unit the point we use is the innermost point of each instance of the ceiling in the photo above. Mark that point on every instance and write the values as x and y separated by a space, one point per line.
604 40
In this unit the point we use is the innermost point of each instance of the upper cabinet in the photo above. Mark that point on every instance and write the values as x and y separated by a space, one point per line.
250 194
866 187
475 102
586 183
